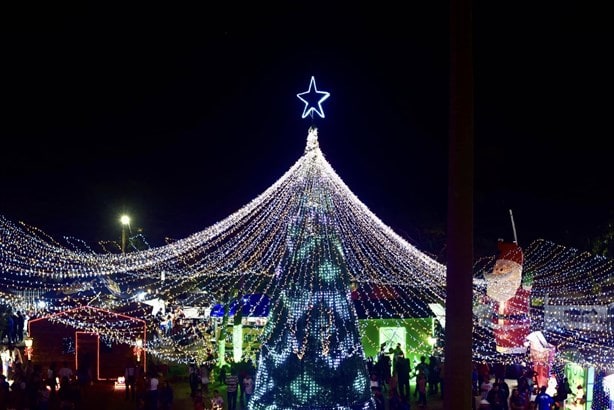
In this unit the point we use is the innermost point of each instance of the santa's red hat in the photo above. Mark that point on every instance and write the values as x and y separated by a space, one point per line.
510 251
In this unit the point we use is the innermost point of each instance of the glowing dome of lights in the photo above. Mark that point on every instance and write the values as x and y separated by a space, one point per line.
245 252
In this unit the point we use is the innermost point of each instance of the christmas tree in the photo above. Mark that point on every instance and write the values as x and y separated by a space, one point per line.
311 357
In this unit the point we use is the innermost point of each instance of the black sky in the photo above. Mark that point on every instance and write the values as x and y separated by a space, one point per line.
180 117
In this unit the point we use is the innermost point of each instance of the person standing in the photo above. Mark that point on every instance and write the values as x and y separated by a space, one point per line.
475 381
517 401
194 380
433 375
524 390
421 381
441 378
241 394
4 392
232 384
483 370
204 379
394 400
398 351
485 388
403 369
51 380
421 368
10 327
543 401
141 387
166 396
393 383
505 392
495 397
562 391
66 394
19 323
248 387
383 366
130 377
152 396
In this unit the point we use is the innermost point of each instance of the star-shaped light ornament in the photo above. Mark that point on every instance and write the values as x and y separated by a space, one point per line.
313 99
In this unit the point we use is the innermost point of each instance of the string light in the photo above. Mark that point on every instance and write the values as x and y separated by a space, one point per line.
390 278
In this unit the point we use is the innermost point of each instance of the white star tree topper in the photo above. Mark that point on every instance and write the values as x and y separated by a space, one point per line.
313 99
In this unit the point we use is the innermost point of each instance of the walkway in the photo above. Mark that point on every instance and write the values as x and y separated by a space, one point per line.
103 396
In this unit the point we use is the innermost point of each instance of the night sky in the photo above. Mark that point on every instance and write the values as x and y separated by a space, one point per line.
181 117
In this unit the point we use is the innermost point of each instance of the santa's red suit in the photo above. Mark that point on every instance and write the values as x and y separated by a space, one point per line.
511 322
510 301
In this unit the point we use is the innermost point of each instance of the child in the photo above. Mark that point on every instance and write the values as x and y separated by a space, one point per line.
217 402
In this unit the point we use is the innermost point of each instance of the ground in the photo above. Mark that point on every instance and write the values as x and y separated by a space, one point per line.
103 396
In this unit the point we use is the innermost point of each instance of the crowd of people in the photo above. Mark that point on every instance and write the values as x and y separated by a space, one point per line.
237 379
391 373
182 330
147 390
493 392
33 387
13 325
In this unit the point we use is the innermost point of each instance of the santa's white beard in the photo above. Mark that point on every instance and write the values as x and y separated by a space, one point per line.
503 287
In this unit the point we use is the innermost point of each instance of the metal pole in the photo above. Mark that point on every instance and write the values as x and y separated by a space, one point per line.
459 280
513 227
125 221
123 239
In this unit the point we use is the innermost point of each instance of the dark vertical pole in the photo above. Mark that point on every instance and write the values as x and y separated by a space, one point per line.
458 353
123 238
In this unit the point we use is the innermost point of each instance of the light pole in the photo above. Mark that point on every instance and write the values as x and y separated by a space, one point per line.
29 349
138 349
125 220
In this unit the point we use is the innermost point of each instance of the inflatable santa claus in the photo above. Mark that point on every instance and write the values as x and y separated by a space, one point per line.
509 299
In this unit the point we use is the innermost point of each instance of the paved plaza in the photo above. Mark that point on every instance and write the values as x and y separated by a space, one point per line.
103 396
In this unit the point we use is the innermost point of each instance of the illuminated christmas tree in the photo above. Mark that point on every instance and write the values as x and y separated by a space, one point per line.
311 357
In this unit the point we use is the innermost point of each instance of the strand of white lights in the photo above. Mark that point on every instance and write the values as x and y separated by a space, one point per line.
245 251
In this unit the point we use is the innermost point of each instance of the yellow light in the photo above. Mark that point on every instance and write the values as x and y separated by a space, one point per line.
29 350
138 349
28 342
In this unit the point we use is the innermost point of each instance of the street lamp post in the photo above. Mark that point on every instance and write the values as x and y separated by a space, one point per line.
125 220
29 349
138 349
